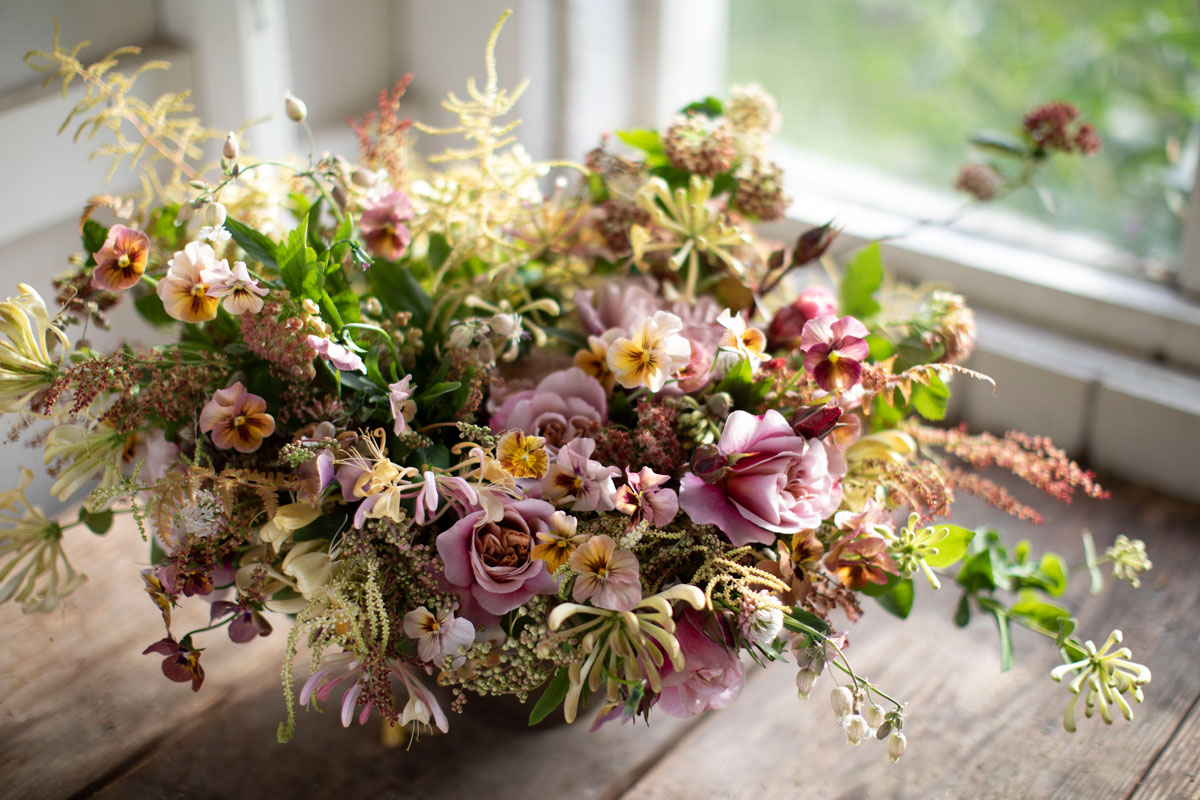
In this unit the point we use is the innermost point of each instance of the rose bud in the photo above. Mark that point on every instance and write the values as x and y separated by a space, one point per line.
709 463
816 421
785 329
813 243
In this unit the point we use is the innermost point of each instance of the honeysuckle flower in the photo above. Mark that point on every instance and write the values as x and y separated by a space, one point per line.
710 677
653 352
1128 558
1107 675
184 289
492 562
564 405
121 262
764 480
608 577
237 419
87 452
747 342
427 499
645 497
248 623
181 663
288 519
26 363
523 456
834 350
241 293
576 479
422 706
333 670
437 635
34 570
556 545
375 480
382 226
309 567
214 228
692 228
403 407
593 359
336 354
639 642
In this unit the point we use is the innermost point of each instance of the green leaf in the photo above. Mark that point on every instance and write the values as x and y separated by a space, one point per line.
962 614
976 573
157 554
709 107
1041 614
1000 144
1089 552
648 141
1006 648
552 698
98 522
94 235
257 246
294 255
794 617
899 600
439 389
325 526
150 306
930 401
1054 571
314 225
398 290
881 348
739 384
862 278
879 589
952 548
436 456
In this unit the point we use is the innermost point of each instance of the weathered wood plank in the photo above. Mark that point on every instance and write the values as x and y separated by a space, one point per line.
1175 774
972 732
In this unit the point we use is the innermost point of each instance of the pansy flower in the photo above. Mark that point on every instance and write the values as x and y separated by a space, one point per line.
247 622
241 293
184 290
749 343
653 352
522 456
834 350
437 635
383 227
556 545
607 576
575 478
121 262
644 497
180 663
237 419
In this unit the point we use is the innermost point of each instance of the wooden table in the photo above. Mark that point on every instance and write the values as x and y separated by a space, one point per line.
82 713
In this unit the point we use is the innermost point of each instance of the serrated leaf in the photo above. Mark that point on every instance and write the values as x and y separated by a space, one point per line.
257 246
552 698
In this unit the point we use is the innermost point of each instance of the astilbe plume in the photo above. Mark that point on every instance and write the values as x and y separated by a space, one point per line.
279 342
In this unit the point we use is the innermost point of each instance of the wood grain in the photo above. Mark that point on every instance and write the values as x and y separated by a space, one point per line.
1175 774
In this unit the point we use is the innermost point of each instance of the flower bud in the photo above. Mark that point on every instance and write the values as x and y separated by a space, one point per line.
813 243
372 306
874 715
460 337
856 729
505 325
805 679
816 421
709 463
231 146
843 701
719 404
295 108
363 178
214 215
896 743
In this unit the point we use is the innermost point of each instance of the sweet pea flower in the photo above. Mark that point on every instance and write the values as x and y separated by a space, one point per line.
644 497
237 419
653 352
762 480
834 350
382 226
575 478
180 663
242 294
121 262
607 576
336 354
437 635
403 408
711 676
184 290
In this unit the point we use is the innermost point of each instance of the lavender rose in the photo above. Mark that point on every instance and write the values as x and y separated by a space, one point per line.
562 407
490 562
712 675
765 481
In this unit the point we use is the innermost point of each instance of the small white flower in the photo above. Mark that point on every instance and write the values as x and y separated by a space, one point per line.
896 744
856 729
842 701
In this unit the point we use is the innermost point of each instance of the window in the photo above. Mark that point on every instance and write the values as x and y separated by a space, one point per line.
897 85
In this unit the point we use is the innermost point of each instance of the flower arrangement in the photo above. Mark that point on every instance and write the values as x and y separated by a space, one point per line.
596 447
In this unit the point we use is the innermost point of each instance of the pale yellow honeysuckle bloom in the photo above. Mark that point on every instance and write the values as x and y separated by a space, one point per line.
31 554
309 566
26 361
1103 678
287 520
91 451
693 228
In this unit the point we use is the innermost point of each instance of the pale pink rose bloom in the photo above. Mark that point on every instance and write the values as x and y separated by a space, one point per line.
565 405
711 677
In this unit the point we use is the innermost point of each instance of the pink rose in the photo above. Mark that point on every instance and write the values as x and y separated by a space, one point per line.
711 677
562 407
766 480
491 562
788 324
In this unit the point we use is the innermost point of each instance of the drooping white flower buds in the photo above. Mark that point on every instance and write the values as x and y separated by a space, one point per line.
214 215
856 729
896 744
230 150
842 700
874 716
295 108
805 679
